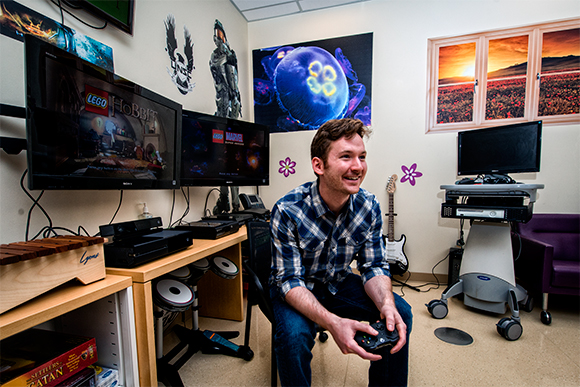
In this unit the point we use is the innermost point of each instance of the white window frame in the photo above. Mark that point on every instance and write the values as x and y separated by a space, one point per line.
482 39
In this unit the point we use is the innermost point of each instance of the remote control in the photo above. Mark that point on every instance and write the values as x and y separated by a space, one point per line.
372 343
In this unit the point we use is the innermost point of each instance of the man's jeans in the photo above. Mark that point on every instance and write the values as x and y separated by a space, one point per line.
295 334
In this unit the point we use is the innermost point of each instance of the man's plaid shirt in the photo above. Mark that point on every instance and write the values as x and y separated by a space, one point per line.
311 244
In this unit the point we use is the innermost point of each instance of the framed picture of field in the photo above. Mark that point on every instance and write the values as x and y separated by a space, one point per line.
505 76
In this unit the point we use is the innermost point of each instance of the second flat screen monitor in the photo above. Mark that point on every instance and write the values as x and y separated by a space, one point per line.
219 151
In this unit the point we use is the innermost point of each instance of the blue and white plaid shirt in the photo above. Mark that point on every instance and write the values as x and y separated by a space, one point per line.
311 244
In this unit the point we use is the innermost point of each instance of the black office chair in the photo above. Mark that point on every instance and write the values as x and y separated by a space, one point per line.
258 267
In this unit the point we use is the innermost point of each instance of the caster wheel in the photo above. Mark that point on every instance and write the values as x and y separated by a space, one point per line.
510 329
438 309
323 336
529 304
546 317
245 353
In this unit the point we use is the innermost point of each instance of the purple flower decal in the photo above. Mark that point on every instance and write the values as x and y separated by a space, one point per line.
287 167
410 174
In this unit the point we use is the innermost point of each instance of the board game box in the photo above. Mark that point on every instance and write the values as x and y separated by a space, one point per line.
42 358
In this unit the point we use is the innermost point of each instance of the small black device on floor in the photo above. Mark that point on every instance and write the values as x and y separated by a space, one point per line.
140 241
372 343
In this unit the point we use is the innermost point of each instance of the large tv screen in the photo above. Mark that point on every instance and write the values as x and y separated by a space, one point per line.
500 150
88 128
220 151
117 12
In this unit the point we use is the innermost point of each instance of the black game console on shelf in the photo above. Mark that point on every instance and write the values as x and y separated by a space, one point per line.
372 343
140 241
210 228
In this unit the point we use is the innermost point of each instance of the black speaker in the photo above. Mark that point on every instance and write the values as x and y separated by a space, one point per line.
455 255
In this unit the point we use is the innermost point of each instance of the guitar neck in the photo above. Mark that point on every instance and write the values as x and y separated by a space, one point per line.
391 219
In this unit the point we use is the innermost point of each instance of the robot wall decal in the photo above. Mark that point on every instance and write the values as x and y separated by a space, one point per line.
224 69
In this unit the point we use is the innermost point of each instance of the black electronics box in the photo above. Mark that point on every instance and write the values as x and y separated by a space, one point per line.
140 241
210 228
241 218
455 255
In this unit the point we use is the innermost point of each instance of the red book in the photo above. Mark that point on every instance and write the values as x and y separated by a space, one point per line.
41 358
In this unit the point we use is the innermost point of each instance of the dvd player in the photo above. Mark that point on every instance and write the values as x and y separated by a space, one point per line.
500 213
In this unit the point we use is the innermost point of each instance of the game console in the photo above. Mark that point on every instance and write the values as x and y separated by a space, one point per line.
372 343
140 241
210 228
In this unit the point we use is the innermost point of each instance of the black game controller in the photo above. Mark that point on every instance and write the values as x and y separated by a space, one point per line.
372 343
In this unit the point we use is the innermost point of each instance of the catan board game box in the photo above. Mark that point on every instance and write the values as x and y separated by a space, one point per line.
42 358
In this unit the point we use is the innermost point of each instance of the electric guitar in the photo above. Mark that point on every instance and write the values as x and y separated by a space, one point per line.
395 254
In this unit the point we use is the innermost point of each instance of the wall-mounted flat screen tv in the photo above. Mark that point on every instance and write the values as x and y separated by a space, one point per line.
88 128
117 12
500 150
220 151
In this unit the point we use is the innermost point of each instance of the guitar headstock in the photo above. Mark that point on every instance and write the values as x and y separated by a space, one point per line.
391 184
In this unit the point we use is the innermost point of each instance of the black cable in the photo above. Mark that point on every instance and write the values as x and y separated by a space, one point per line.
206 199
35 203
512 227
172 207
59 5
185 212
428 283
82 228
61 13
118 207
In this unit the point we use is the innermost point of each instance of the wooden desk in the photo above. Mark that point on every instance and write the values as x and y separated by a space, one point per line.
223 298
57 302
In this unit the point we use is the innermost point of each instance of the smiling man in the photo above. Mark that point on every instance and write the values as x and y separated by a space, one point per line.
317 230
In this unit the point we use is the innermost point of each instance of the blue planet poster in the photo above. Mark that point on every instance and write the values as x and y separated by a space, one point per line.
300 86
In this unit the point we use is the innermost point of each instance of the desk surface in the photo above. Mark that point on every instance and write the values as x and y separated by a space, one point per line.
200 248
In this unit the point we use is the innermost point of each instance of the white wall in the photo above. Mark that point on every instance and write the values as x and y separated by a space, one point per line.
401 30
140 58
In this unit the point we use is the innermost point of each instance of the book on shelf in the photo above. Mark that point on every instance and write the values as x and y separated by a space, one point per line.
42 358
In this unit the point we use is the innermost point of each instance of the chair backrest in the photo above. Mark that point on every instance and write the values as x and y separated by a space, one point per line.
260 263
562 231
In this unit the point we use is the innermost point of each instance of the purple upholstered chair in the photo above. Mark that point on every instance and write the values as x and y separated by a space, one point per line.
549 260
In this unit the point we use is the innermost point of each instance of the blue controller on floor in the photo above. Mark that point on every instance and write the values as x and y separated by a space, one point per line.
372 343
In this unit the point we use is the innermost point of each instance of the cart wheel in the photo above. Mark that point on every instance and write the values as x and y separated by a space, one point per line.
245 353
527 305
546 317
510 329
437 308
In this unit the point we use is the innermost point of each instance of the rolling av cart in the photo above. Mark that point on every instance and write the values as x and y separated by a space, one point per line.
486 275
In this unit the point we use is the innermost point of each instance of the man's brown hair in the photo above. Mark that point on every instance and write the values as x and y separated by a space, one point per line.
334 130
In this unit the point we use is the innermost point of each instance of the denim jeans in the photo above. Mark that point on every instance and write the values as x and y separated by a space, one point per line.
295 334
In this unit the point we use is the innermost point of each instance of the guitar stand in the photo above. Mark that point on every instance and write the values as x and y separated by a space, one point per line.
195 340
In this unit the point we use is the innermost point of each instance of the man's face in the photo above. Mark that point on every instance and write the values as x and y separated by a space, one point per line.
345 168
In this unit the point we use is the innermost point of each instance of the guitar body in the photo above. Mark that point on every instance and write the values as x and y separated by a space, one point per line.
396 256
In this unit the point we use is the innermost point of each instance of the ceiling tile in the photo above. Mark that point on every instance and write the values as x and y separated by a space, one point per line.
254 10
271 12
